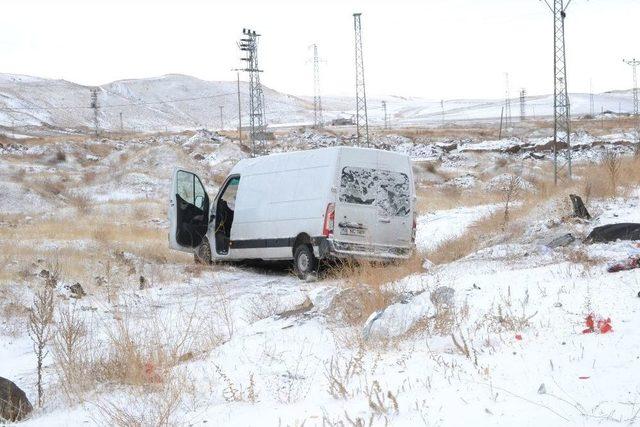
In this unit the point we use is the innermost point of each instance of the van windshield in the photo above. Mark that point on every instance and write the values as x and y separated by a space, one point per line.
387 190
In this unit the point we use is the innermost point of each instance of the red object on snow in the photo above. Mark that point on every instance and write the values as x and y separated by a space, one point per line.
601 326
519 337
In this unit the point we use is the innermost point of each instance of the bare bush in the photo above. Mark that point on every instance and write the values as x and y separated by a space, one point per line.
340 372
40 329
237 393
510 191
612 163
69 351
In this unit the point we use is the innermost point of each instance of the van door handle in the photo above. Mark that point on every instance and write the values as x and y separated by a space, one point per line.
385 220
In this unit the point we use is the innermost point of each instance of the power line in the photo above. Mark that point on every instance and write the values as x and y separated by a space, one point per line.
362 120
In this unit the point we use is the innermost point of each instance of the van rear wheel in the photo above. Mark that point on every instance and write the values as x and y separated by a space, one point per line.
304 261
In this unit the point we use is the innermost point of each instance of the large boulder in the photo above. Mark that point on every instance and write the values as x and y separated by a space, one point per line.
14 405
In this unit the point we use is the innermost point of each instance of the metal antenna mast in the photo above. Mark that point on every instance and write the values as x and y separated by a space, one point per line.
317 99
386 120
561 110
507 101
257 122
523 100
94 106
362 120
634 64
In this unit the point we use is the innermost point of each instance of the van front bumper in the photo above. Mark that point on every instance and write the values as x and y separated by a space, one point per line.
328 248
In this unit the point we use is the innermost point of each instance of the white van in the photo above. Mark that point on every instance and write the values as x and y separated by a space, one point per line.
305 206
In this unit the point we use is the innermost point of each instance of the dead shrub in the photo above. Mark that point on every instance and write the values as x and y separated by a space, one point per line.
69 350
52 187
80 202
612 164
340 372
510 191
40 329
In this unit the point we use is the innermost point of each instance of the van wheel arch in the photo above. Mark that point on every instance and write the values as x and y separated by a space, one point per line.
304 260
301 239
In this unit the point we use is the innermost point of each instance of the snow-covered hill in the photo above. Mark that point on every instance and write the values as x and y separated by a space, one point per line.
177 102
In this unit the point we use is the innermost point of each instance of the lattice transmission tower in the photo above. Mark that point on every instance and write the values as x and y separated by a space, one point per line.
634 64
94 107
386 119
523 105
317 98
362 120
257 121
561 107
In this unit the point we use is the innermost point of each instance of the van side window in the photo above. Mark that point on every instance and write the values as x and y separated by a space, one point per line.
199 193
387 190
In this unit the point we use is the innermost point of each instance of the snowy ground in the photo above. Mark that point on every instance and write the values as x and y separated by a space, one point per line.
264 348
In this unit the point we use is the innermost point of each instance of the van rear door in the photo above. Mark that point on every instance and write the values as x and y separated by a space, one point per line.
373 206
395 216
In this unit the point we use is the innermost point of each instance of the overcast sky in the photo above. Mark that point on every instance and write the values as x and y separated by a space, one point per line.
429 48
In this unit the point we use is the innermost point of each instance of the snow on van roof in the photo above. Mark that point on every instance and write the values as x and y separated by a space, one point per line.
315 154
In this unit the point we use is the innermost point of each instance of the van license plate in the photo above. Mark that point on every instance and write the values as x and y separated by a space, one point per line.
352 232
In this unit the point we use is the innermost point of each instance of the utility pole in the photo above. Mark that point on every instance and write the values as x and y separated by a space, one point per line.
523 100
317 99
592 106
221 117
442 110
501 118
507 101
94 106
561 107
239 111
362 120
257 122
386 121
121 124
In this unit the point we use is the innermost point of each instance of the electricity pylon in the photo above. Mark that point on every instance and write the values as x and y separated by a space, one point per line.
257 122
317 98
561 107
362 120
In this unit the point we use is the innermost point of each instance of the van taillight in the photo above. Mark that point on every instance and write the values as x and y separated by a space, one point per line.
329 219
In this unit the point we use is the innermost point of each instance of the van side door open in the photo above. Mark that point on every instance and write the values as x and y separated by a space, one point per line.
188 211
224 214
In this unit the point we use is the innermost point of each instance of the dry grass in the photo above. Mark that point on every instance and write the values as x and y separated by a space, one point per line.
365 286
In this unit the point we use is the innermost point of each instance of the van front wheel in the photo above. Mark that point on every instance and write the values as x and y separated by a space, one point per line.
203 253
304 262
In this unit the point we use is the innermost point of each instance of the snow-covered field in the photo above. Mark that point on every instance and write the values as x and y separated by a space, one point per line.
255 346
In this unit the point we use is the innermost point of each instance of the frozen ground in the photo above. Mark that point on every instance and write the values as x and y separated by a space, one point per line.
264 348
